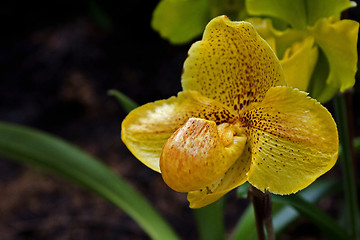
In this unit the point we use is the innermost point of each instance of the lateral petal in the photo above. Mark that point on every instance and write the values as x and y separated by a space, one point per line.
299 62
318 88
294 140
232 64
326 8
145 130
338 41
180 21
234 177
280 9
279 40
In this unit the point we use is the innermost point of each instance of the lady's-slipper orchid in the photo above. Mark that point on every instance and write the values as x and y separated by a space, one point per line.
234 121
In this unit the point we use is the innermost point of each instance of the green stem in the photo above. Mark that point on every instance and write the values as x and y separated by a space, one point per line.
347 165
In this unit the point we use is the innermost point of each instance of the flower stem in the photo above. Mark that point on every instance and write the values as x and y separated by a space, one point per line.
347 165
262 210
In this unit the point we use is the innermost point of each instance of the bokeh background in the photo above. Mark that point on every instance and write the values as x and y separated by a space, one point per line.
58 59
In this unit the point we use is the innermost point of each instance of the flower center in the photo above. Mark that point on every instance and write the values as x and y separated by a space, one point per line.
227 132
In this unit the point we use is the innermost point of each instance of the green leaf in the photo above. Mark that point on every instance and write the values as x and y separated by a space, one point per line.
234 10
317 9
53 155
318 88
287 214
284 217
329 227
100 16
298 13
293 12
245 228
127 103
338 40
357 144
210 221
351 207
242 190
180 21
283 214
299 62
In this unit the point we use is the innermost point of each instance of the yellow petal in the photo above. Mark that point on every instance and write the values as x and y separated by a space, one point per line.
318 88
146 129
195 155
338 40
325 8
280 9
299 63
294 140
232 64
266 30
278 40
234 177
202 198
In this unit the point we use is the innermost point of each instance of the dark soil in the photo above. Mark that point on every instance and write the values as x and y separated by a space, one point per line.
58 60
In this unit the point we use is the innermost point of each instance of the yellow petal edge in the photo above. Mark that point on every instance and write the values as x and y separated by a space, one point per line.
195 155
232 64
294 140
232 178
145 129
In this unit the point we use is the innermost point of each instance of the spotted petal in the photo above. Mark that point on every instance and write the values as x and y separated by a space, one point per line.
232 178
279 40
199 153
146 129
232 64
293 138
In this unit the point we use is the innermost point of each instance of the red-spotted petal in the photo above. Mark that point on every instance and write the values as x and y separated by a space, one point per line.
232 64
294 140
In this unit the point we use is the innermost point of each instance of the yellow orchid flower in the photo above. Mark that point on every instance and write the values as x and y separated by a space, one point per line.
234 121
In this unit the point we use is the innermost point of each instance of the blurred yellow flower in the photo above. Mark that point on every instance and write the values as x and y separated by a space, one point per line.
321 59
316 49
234 121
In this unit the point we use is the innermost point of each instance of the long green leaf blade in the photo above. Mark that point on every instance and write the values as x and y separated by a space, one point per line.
56 156
210 221
331 228
245 228
127 103
287 214
349 182
283 212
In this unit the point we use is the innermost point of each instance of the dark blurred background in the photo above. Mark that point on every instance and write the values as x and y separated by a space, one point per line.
58 59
